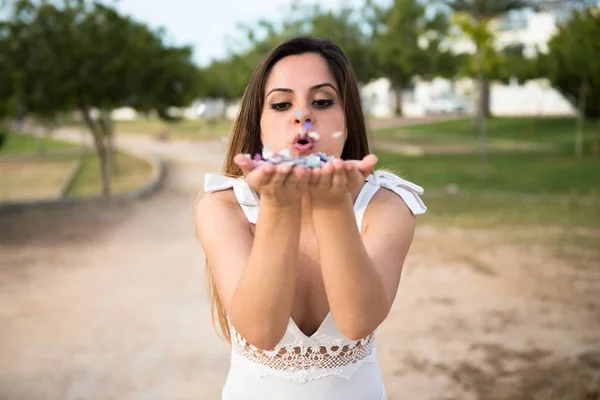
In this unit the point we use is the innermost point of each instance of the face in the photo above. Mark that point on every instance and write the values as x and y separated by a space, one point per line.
301 92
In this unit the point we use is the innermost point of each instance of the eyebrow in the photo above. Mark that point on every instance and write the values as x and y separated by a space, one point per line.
313 88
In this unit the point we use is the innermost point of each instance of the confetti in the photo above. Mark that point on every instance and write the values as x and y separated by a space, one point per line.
267 153
337 135
298 115
284 157
314 135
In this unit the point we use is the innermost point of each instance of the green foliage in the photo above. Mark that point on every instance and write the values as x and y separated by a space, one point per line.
486 10
574 57
76 54
409 42
228 78
83 55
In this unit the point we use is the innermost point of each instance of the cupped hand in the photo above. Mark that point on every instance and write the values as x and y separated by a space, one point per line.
336 180
280 185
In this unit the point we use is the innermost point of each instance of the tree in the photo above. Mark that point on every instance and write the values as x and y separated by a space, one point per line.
474 18
228 78
573 64
409 43
84 55
344 28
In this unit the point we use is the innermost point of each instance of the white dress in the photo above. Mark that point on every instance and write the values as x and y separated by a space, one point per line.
326 365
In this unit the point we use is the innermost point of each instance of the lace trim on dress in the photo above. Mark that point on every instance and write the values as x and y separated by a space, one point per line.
301 362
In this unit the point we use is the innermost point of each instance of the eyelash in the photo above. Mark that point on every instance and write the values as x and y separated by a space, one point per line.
325 103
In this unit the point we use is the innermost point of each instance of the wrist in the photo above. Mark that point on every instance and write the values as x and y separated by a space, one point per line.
332 203
274 204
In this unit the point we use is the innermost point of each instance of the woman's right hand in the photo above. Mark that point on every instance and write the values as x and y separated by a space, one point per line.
280 185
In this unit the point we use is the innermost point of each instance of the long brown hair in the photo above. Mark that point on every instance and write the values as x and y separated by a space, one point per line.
245 132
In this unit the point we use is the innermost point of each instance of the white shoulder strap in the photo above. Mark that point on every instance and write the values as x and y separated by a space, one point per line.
362 201
408 191
247 198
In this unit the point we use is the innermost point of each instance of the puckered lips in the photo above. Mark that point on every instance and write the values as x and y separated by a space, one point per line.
303 143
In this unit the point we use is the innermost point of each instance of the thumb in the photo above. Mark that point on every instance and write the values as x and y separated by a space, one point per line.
246 164
366 164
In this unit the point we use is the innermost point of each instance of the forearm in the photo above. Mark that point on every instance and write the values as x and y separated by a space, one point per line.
354 289
262 301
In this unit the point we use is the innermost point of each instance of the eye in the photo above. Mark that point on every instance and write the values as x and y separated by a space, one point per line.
323 103
281 106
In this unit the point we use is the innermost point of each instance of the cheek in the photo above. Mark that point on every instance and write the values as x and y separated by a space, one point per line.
272 131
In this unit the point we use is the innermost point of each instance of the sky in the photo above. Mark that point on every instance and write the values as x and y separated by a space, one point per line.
210 25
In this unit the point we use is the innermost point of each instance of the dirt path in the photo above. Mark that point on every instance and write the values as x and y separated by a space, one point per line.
108 302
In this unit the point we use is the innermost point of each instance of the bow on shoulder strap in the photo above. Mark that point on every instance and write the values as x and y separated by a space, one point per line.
407 190
247 198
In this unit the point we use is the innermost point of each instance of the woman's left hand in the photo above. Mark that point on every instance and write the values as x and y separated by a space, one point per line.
334 183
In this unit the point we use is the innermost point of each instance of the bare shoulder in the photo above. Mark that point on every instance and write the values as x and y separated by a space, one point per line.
218 209
389 208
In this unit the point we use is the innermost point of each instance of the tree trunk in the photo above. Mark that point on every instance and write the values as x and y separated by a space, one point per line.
107 131
398 94
41 142
480 117
41 148
597 137
100 149
583 87
485 99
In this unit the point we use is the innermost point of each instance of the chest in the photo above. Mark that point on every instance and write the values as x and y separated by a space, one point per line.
310 305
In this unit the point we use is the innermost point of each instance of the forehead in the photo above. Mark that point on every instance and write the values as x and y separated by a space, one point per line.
299 72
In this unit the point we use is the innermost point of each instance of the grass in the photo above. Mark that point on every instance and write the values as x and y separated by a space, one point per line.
130 173
558 133
32 180
41 176
16 143
524 189
512 173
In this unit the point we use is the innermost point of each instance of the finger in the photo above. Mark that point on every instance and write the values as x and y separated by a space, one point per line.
292 178
244 163
260 176
281 173
366 164
303 176
354 175
339 179
326 176
315 176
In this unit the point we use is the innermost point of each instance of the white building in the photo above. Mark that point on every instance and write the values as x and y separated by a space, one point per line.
534 98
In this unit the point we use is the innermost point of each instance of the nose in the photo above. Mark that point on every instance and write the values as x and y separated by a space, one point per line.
303 116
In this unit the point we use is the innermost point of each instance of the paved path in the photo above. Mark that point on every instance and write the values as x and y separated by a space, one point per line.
108 302
102 302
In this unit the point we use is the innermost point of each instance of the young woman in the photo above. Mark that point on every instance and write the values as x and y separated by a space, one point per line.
303 263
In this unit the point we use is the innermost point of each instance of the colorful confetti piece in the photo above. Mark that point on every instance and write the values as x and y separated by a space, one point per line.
337 135
314 135
284 157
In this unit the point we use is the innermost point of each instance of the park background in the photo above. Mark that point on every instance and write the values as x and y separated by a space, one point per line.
111 113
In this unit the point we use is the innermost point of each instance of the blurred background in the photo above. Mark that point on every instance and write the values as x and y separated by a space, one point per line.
111 113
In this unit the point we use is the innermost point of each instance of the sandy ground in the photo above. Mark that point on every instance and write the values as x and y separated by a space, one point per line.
108 302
